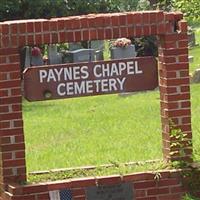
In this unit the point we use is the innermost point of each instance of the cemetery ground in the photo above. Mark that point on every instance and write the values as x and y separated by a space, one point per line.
93 131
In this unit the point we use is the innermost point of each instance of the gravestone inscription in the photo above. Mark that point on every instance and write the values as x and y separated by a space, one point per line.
123 191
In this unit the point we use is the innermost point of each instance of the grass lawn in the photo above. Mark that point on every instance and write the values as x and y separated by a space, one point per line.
92 131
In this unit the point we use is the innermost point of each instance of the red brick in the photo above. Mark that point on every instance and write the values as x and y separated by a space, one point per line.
13 147
116 33
122 19
14 163
176 82
78 192
123 32
10 83
6 41
170 197
145 17
93 34
130 17
169 17
145 184
38 39
5 124
54 38
35 189
85 35
177 113
84 22
83 182
100 34
4 109
53 26
16 107
115 20
70 36
6 156
183 58
76 24
30 27
146 30
175 66
153 30
138 31
10 132
160 17
10 116
140 193
92 22
108 33
137 18
22 40
168 182
186 120
62 37
178 16
130 31
167 59
77 35
107 21
22 28
183 44
153 17
30 40
19 138
156 191
46 26
9 100
61 25
14 58
14 28
47 37
111 180
5 29
68 24
161 29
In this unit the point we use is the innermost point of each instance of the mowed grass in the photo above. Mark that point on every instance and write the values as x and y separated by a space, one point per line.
92 131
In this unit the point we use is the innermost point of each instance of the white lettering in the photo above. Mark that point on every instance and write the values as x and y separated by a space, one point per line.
70 88
58 73
43 75
121 83
96 70
59 88
137 71
84 71
122 67
51 76
79 89
130 67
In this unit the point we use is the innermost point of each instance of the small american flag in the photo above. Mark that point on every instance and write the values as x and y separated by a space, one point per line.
60 195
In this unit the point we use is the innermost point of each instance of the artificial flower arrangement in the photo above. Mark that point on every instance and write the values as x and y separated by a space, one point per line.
121 42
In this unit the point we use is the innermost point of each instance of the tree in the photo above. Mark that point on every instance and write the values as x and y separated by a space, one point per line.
190 8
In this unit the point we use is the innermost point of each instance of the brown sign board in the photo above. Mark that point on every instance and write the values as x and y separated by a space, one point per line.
87 79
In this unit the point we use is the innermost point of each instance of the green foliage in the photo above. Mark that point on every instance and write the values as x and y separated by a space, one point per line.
190 8
24 9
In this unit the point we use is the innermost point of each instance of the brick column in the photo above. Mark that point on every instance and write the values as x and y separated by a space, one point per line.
175 94
13 167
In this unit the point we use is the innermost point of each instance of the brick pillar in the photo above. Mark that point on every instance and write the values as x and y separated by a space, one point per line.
13 167
175 94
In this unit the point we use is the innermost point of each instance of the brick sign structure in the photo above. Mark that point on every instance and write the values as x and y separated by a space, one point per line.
171 31
86 79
